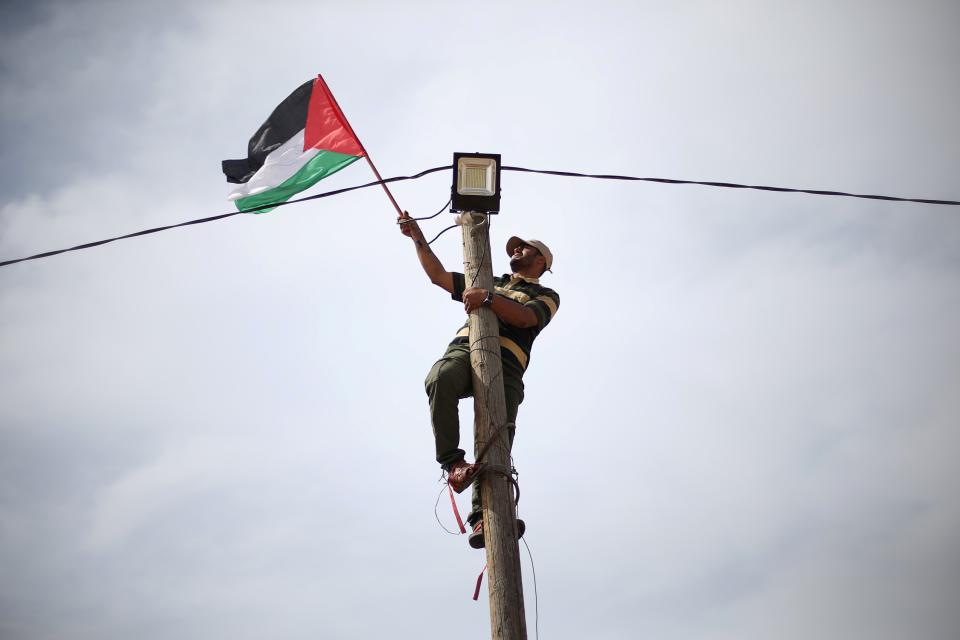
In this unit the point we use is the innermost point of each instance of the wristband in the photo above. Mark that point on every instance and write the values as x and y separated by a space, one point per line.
489 299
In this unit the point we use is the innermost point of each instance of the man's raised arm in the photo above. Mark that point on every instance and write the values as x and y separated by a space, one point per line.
430 263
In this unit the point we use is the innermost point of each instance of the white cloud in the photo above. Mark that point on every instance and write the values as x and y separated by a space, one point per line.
739 425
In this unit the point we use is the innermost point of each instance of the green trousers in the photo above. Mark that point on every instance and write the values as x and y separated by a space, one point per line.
450 380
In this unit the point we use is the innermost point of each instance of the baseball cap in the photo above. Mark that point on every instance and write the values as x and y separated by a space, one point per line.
539 246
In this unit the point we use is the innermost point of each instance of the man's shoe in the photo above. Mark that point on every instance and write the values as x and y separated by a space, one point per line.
476 537
461 475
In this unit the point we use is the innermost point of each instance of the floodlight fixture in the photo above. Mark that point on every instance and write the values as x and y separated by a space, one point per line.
476 183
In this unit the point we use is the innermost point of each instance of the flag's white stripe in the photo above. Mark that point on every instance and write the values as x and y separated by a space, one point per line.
279 166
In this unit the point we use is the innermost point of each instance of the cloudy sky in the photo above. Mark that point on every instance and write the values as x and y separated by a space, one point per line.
743 423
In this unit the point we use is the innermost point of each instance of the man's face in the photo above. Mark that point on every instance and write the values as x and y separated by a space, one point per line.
524 256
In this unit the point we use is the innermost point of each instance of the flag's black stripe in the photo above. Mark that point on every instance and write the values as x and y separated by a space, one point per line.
287 119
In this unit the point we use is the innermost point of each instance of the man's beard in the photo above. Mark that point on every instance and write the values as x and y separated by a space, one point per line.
522 262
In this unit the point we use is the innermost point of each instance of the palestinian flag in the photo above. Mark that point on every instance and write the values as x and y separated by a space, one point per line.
305 139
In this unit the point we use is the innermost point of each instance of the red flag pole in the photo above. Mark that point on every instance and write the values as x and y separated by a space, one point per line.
366 153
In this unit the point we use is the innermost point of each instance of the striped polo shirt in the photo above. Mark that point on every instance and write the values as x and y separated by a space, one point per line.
515 342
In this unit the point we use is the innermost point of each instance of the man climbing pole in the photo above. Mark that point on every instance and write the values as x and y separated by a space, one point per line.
523 308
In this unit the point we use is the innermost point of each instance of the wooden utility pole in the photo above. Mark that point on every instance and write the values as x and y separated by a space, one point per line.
507 619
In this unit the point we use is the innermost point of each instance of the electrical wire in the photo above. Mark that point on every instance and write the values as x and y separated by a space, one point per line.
536 596
436 512
453 226
729 185
449 200
569 174
409 220
325 194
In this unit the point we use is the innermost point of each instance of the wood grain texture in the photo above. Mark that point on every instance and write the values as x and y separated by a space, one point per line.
507 618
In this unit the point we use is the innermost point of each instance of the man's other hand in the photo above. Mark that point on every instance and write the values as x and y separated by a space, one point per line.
409 227
473 298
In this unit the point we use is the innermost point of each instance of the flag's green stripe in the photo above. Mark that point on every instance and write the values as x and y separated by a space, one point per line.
320 166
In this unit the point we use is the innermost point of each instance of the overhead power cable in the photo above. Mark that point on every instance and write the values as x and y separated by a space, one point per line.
729 185
566 174
325 194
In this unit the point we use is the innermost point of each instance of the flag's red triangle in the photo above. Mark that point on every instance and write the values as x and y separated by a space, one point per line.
327 129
